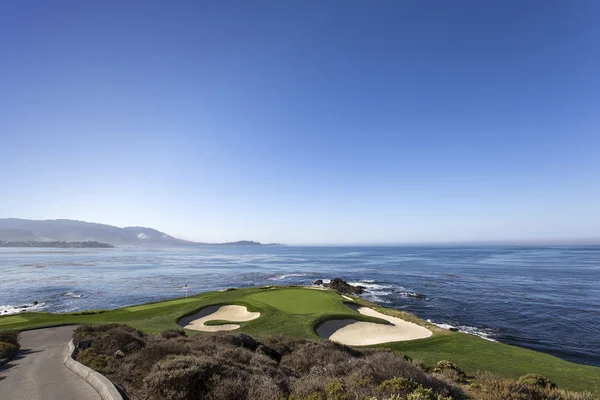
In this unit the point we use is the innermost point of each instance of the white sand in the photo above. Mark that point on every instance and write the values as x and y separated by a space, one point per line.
223 313
347 297
359 333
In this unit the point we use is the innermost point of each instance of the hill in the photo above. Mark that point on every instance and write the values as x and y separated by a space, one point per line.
14 229
68 230
20 235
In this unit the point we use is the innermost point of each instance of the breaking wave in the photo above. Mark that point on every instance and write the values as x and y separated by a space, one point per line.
8 309
281 277
483 333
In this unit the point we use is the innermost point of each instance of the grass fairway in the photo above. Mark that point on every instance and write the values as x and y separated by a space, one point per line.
296 312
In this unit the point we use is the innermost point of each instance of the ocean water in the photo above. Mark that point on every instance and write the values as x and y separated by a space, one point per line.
543 298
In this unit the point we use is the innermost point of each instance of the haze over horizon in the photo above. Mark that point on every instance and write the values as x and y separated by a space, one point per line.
306 123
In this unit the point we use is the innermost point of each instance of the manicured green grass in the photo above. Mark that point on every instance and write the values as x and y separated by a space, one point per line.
295 301
297 311
474 354
216 322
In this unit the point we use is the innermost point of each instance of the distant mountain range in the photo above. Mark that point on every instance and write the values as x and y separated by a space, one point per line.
27 230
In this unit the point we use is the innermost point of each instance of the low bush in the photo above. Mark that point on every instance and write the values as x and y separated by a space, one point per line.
8 350
10 337
95 330
110 338
398 385
173 333
229 366
336 390
537 381
445 366
94 360
491 387
422 393
236 366
179 378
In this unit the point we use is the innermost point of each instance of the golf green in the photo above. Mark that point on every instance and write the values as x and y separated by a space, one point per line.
297 301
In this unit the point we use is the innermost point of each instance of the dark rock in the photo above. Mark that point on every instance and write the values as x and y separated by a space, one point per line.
319 282
35 303
343 287
453 329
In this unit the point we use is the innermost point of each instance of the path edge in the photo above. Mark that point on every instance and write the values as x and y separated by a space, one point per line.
105 388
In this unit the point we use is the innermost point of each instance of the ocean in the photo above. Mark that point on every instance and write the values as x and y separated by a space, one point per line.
542 298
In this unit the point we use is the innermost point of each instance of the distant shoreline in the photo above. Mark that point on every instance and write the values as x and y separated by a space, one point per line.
57 244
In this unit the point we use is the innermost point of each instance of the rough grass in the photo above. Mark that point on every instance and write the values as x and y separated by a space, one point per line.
294 312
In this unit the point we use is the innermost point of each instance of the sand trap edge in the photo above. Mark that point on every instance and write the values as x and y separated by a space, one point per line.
221 312
354 332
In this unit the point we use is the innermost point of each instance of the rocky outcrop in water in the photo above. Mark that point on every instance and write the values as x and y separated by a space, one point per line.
344 287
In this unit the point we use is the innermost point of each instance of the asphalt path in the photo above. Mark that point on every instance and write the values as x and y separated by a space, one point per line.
38 372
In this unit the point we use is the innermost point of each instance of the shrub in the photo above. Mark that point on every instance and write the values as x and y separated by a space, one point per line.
422 393
94 330
490 387
312 396
229 366
336 390
392 397
313 356
156 350
178 378
10 337
284 344
173 333
264 387
445 365
307 386
398 385
364 381
107 339
8 350
537 381
117 339
95 361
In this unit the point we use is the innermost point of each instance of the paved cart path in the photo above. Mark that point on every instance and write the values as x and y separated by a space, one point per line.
38 372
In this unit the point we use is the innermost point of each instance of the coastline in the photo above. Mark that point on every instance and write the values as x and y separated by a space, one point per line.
469 352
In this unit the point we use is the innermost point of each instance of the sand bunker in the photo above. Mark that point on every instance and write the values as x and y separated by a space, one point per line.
347 297
218 313
358 333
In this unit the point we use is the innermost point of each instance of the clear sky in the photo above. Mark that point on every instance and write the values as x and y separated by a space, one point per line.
305 121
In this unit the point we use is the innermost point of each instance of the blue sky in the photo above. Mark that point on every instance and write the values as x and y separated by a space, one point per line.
305 122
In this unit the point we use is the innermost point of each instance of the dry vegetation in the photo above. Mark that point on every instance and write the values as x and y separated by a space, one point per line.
9 344
236 366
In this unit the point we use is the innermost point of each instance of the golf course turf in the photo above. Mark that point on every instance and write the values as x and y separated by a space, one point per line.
294 311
